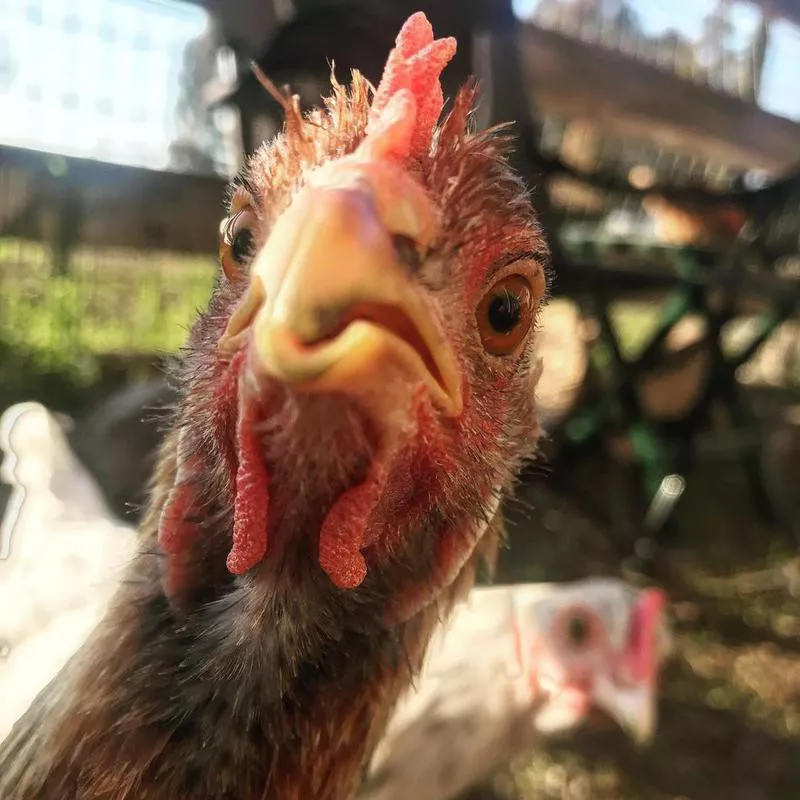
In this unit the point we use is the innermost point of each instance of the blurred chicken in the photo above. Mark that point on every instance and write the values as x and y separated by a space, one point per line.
516 664
118 441
61 556
355 403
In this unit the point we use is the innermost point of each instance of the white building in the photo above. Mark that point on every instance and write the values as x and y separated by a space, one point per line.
96 78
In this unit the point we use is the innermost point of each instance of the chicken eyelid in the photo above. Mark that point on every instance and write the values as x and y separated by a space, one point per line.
522 258
228 225
243 191
243 197
236 242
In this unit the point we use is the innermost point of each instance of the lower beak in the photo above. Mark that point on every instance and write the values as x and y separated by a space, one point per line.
332 306
633 708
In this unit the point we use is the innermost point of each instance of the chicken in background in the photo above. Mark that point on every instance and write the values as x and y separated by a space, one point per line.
514 664
61 556
118 441
355 404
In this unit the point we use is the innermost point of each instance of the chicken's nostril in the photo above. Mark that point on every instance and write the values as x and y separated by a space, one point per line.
330 321
407 253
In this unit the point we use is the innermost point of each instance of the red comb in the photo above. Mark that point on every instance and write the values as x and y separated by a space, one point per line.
409 98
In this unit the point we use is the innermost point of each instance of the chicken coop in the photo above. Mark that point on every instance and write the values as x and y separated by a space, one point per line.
661 143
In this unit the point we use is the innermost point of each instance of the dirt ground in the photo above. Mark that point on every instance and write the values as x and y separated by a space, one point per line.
730 706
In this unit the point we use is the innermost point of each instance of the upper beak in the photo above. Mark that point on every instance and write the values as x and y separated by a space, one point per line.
332 306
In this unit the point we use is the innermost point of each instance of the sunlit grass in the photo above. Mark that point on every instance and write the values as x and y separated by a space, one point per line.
110 303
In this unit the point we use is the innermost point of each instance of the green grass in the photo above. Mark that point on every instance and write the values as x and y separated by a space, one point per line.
109 303
123 304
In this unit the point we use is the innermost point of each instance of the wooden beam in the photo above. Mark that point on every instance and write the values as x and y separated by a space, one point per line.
119 206
627 97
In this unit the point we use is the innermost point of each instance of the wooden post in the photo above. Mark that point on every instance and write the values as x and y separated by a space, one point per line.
760 46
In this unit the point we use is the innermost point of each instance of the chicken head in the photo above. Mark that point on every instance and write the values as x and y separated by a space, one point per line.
359 394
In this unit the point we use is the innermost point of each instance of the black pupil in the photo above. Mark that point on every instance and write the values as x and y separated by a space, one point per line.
242 245
578 630
504 312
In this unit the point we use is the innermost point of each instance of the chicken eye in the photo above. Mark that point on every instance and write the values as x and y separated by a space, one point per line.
504 315
237 242
242 245
578 631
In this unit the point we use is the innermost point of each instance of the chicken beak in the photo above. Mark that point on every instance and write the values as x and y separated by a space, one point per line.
633 702
333 307
633 708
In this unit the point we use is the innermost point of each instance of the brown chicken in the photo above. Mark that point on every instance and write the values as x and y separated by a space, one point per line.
355 403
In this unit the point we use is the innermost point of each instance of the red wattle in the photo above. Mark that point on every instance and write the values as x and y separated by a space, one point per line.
341 536
176 535
252 492
175 532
